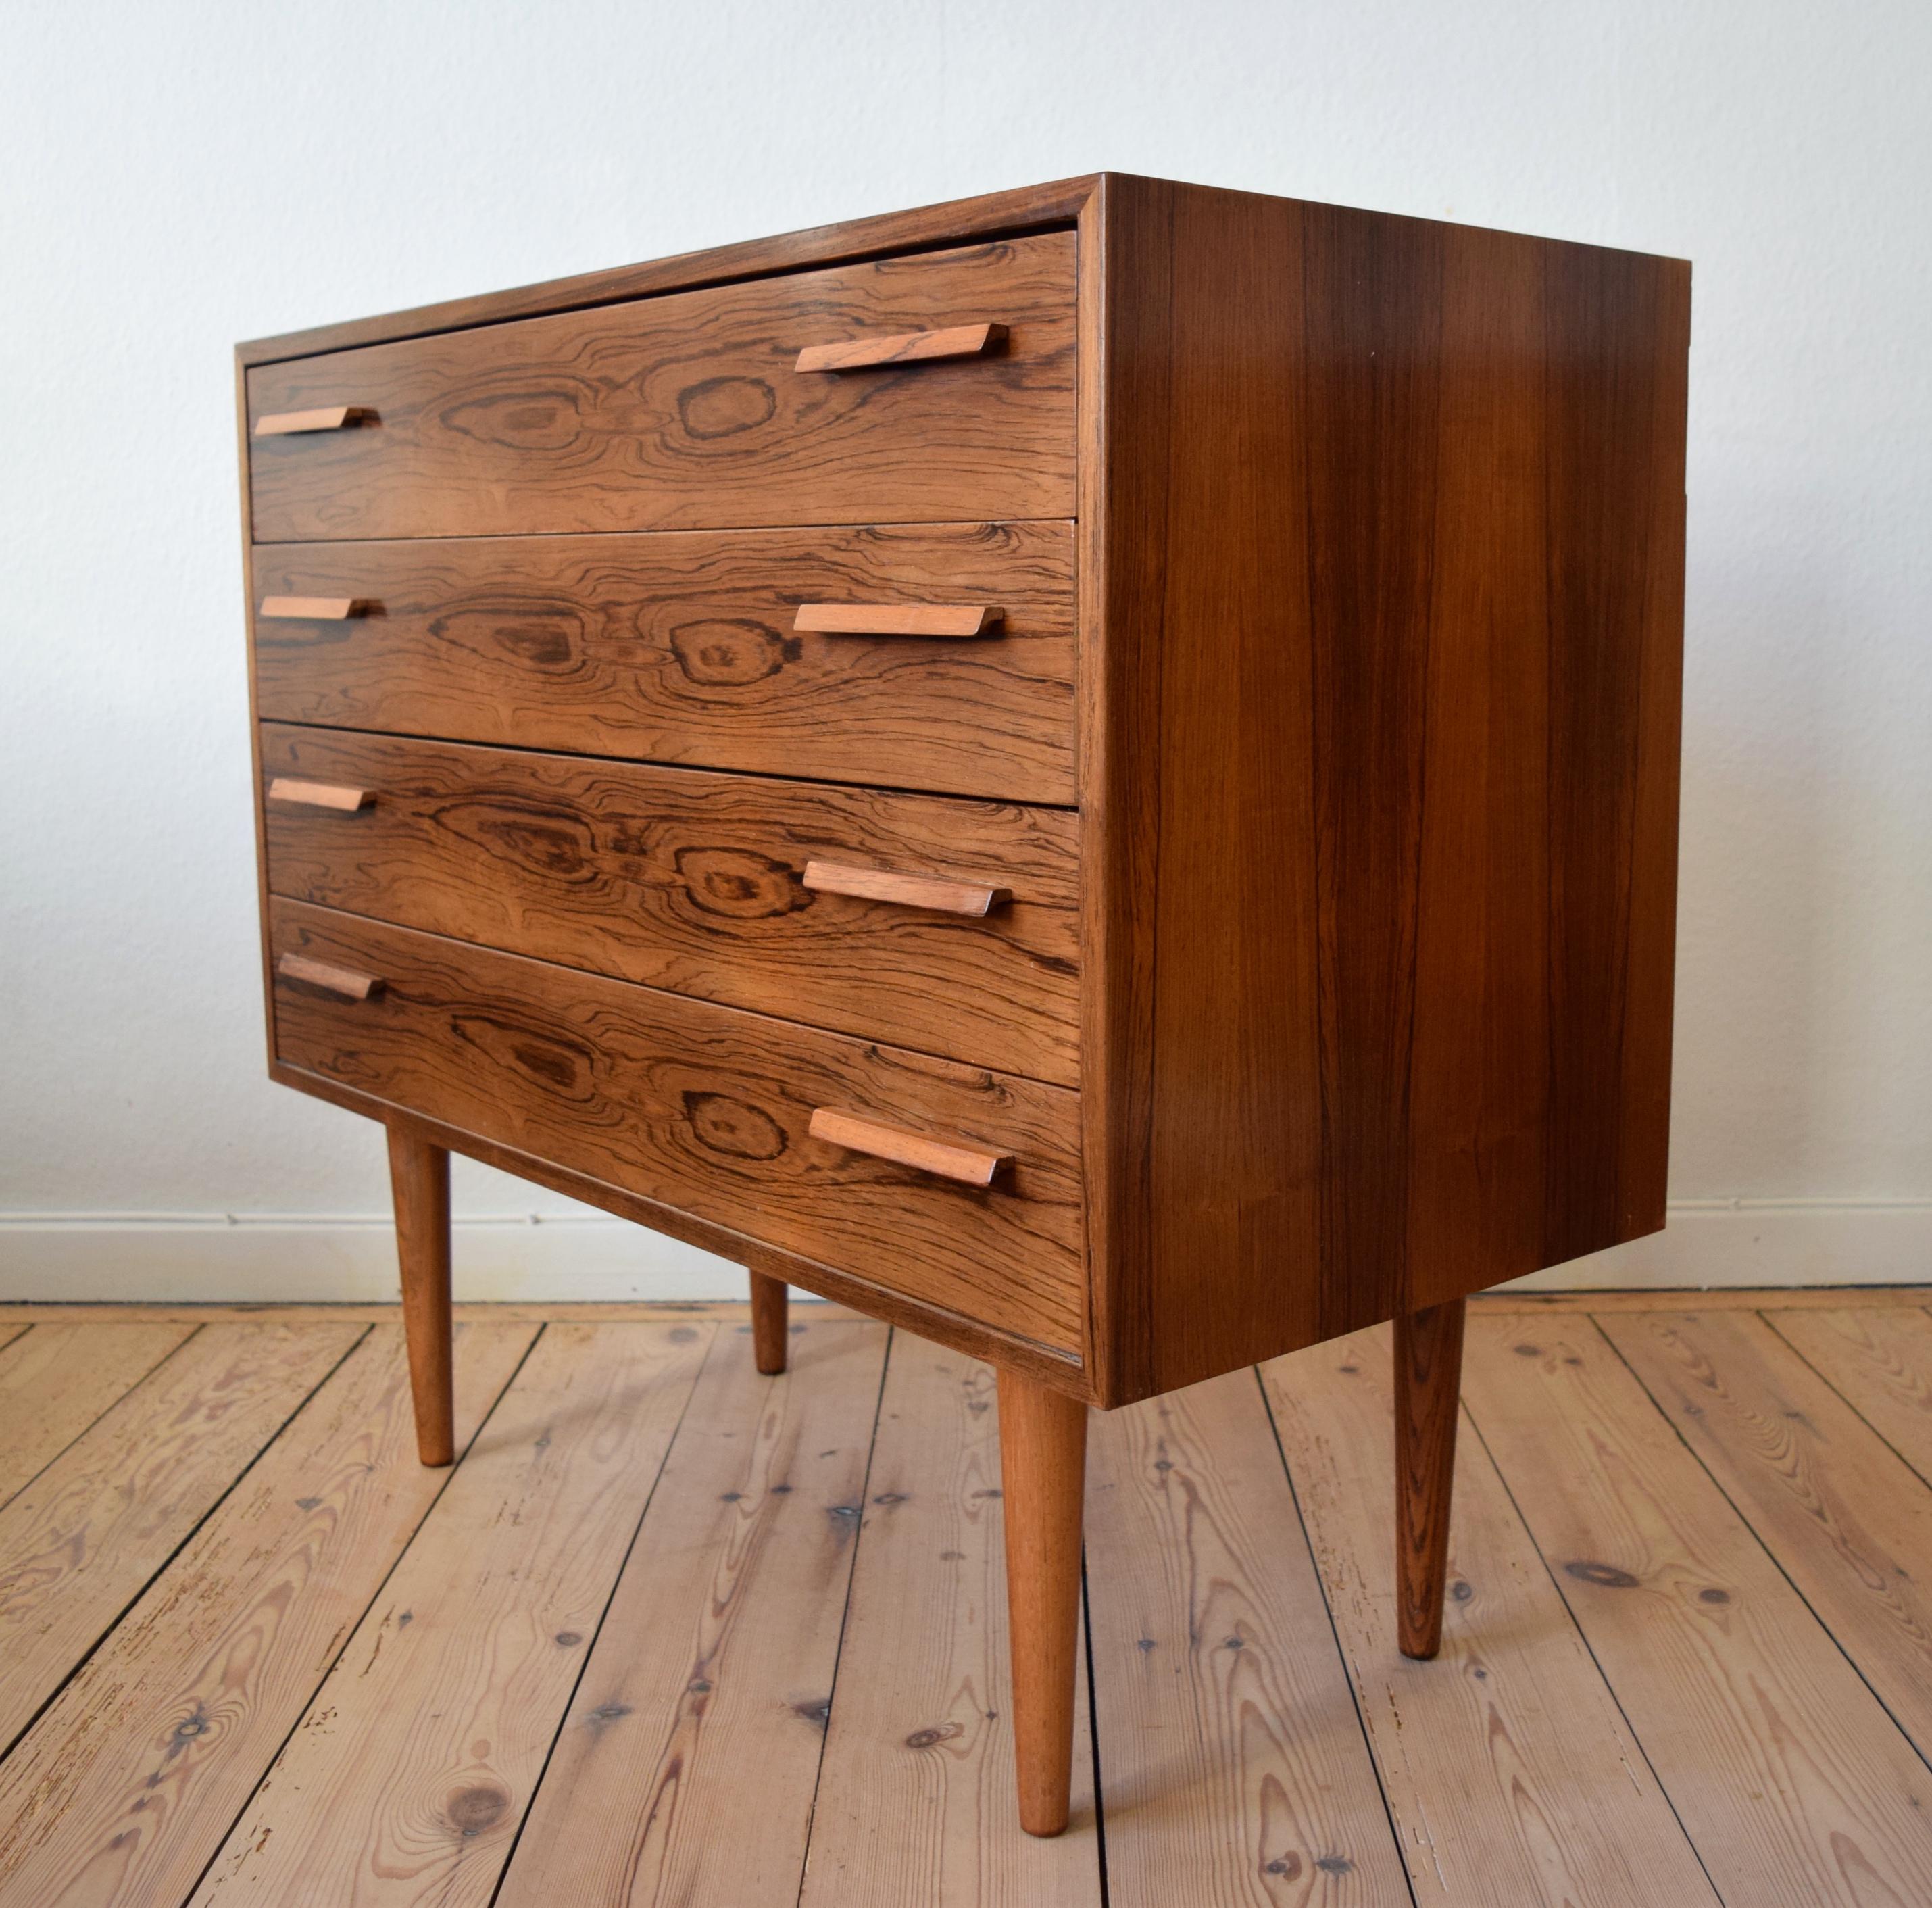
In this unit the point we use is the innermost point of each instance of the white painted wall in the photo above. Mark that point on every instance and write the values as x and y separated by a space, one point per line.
178 176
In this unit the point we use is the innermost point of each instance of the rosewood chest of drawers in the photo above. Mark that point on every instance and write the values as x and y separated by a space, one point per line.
1092 771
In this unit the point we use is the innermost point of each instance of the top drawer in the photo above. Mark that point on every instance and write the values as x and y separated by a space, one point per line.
689 412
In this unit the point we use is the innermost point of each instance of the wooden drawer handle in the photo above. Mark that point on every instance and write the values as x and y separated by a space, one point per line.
319 795
345 981
934 891
950 1159
899 619
906 348
333 417
313 609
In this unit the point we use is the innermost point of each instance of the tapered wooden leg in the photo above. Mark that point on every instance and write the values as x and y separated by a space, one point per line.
419 1180
1428 1385
768 1323
1043 1473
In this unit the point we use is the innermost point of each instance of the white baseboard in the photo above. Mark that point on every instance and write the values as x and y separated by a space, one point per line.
236 1258
217 1258
1728 1242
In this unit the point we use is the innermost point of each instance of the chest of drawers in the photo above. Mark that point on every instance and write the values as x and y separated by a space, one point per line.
1092 772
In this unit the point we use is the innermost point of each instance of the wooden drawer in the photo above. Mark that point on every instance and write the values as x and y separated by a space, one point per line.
704 1109
682 647
724 886
689 411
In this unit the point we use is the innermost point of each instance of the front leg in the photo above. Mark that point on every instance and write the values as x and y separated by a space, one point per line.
768 1323
1043 1474
1428 1390
419 1180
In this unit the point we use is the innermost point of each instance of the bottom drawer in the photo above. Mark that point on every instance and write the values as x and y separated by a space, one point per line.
706 1109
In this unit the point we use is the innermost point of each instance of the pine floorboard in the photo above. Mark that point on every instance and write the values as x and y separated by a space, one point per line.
670 1632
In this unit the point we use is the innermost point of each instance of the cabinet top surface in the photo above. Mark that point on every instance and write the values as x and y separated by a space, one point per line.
993 214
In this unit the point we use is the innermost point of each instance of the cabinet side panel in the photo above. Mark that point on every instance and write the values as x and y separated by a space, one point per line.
1496 1090
1616 341
1211 1112
1480 1067
1392 554
1373 347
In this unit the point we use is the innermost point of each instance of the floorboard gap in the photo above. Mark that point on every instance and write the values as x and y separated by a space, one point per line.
221 1841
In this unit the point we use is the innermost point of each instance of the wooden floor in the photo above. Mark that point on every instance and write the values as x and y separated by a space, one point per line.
672 1633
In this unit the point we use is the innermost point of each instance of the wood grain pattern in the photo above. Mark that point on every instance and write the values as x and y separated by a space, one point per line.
1511 1774
994 215
1793 1784
970 1165
900 618
1380 542
716 1658
1849 1520
681 648
1428 1407
685 413
916 1803
419 1189
14 1313
126 1785
1234 1770
78 1543
1205 1158
1383 520
472 1641
1711 1298
1043 1480
975 1336
56 1379
770 1306
695 883
908 348
1881 1362
1895 1305
707 1108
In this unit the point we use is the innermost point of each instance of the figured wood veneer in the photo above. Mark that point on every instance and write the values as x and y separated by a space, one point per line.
708 1110
703 883
1367 531
1381 565
685 413
684 649
1323 774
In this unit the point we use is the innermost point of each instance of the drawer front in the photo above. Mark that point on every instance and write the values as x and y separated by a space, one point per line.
704 1109
729 887
689 411
683 648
